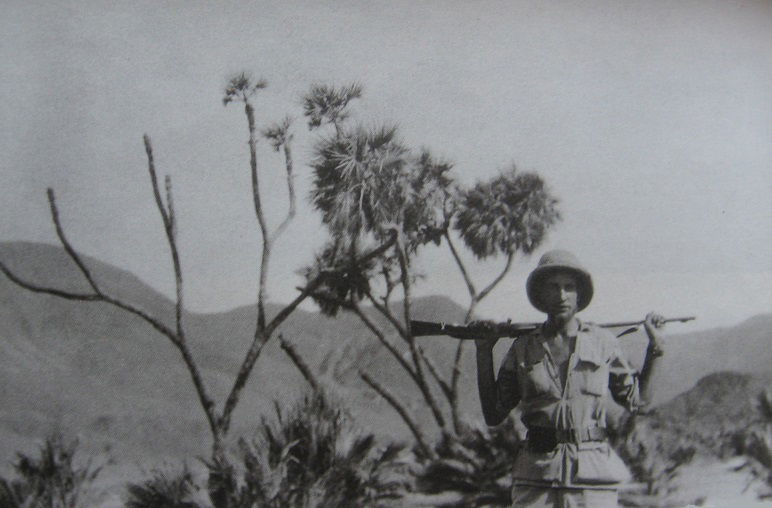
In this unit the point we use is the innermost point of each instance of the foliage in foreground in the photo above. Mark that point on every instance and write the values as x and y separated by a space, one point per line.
164 489
311 456
475 467
755 442
51 480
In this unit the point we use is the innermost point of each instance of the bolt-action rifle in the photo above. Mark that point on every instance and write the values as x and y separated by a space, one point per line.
491 330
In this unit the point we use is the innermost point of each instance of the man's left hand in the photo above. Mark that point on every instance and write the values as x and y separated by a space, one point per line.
652 323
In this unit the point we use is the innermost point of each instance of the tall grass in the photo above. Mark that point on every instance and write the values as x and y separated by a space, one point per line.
312 456
473 469
164 489
50 480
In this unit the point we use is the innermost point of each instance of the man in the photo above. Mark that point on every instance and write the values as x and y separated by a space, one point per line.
561 376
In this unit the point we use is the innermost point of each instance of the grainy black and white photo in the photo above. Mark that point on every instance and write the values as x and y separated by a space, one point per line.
383 254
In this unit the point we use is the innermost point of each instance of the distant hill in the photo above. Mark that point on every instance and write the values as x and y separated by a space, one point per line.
91 369
721 402
743 348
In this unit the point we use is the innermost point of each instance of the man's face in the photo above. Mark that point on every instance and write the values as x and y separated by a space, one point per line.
560 295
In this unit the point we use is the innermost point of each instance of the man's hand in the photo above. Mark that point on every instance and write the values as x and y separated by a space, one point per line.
651 324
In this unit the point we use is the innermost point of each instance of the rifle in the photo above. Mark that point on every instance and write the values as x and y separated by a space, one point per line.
488 330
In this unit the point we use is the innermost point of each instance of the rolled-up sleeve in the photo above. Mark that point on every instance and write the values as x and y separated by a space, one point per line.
623 381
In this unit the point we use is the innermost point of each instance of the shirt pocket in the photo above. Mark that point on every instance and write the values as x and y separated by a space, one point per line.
538 379
591 373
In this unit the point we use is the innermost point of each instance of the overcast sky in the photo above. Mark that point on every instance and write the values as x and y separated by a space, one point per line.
651 121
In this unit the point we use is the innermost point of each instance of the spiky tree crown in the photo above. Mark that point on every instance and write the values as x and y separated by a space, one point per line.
329 104
279 133
241 87
507 214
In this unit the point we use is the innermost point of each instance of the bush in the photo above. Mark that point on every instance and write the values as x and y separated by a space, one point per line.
312 457
51 480
164 490
476 467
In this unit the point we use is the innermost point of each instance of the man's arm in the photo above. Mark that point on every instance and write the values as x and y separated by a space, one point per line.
630 389
655 350
497 396
486 382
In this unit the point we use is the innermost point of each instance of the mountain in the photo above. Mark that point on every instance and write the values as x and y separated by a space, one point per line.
744 348
94 370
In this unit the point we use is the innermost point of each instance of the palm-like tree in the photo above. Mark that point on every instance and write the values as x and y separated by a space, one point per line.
369 186
328 104
508 214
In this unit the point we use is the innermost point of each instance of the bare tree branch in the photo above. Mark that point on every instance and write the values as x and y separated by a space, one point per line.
171 235
392 400
299 363
290 190
46 290
415 353
386 312
266 251
154 181
498 279
382 339
469 284
438 378
263 335
258 342
66 243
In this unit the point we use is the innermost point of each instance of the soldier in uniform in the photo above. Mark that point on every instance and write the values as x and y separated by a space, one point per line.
561 375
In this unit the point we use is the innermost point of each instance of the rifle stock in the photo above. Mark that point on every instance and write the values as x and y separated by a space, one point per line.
506 329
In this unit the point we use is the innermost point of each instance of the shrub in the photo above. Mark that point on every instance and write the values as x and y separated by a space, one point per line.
310 456
476 467
52 480
164 490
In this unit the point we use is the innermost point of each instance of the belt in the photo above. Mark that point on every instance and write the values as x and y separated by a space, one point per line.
544 439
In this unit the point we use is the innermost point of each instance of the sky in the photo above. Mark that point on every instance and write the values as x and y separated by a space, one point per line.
650 121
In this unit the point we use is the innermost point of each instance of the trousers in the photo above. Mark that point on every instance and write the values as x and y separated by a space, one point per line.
547 497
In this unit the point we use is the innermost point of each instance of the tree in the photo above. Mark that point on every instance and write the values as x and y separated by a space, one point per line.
240 89
369 186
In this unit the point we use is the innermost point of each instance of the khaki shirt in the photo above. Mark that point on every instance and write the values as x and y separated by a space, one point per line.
596 369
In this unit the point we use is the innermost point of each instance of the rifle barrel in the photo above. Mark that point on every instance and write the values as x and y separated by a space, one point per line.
638 323
506 329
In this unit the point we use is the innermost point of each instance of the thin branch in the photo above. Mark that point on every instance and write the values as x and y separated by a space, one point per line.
178 339
46 290
469 284
415 353
401 410
454 380
258 342
299 363
266 251
154 181
66 243
437 377
382 339
198 382
498 279
206 401
171 236
291 192
386 312
263 335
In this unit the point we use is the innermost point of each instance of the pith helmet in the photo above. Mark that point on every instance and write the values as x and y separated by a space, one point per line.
555 261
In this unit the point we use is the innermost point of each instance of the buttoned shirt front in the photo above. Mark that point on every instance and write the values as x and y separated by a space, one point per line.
596 369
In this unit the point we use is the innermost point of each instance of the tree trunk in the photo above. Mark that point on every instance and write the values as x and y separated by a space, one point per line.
222 479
